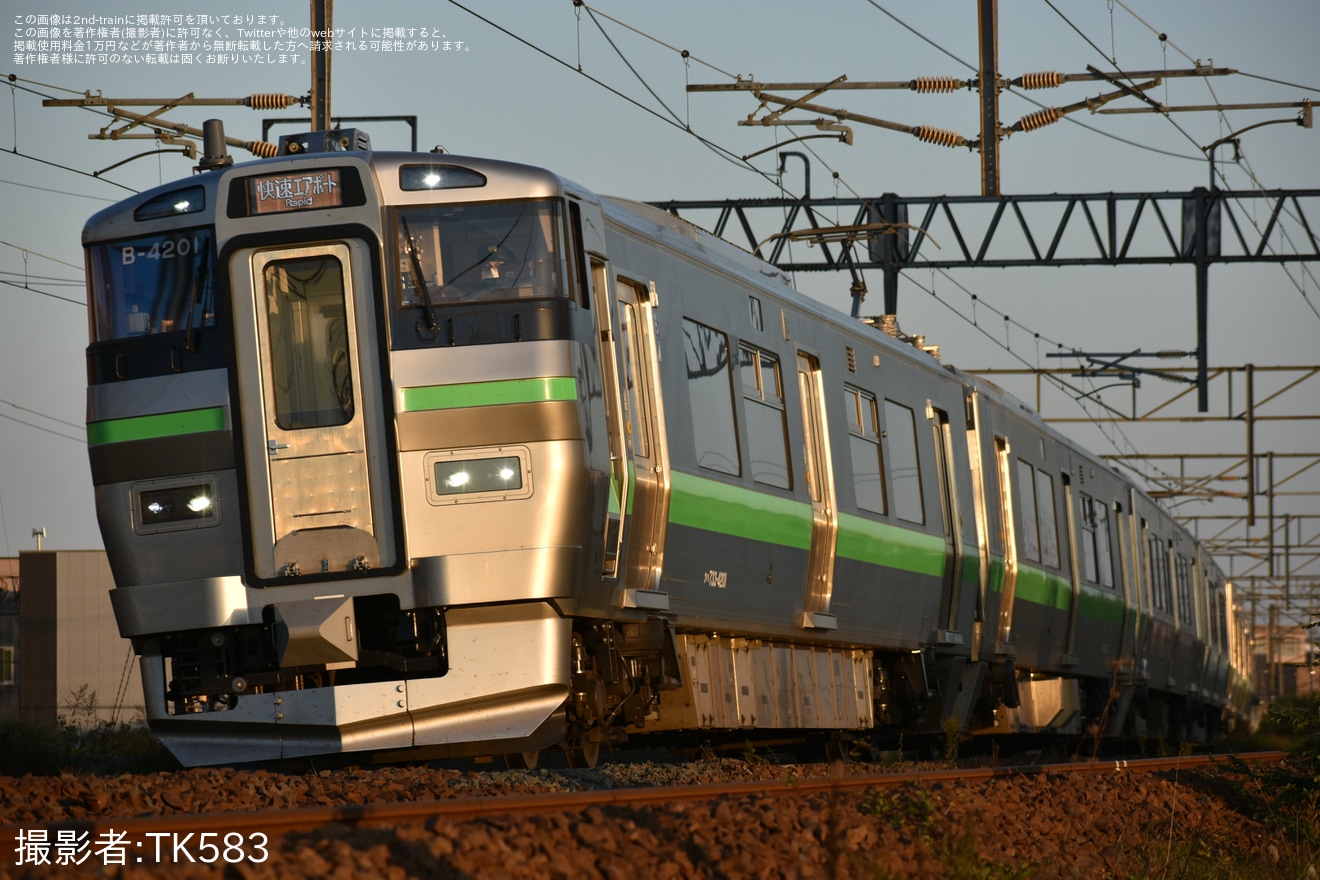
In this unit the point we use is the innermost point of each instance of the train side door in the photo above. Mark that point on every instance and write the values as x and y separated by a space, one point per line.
644 433
620 499
981 512
820 488
1008 537
953 544
309 431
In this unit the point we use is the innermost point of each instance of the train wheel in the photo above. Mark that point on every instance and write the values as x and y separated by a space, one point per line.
838 750
582 754
522 760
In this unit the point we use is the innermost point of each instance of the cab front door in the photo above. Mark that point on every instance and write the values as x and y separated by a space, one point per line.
311 435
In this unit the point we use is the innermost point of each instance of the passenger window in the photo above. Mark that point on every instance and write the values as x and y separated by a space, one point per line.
904 466
1029 534
767 430
864 443
711 394
1049 524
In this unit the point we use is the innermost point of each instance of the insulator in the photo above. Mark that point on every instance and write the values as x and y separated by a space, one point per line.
936 84
1168 354
1049 79
939 136
263 149
270 101
1039 119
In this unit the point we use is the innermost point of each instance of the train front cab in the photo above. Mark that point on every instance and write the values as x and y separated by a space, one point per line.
401 518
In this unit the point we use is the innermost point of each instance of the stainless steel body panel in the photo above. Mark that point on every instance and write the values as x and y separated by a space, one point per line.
730 683
509 674
158 394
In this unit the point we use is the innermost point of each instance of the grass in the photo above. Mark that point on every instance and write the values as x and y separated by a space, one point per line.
80 743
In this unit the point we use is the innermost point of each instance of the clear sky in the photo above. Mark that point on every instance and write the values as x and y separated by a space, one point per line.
490 94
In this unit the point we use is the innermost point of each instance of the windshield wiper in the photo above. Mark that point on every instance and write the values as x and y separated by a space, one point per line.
419 279
190 337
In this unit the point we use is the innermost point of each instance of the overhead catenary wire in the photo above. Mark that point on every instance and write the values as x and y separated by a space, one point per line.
726 154
34 412
82 440
1121 73
838 178
26 250
1126 446
1250 172
46 279
1013 91
28 287
1103 425
62 192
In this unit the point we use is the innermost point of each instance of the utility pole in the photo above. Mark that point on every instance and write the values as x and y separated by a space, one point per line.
987 12
322 16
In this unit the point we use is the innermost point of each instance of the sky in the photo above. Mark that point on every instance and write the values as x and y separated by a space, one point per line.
598 94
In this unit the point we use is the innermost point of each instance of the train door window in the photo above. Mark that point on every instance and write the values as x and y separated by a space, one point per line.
1104 550
1086 509
710 392
1029 533
7 666
1095 551
1048 522
767 428
308 332
1219 602
1183 568
864 442
635 422
1159 574
904 466
754 306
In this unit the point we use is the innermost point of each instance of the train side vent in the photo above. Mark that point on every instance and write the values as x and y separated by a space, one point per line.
852 358
783 324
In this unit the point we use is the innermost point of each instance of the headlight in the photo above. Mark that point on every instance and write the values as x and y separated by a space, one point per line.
167 505
465 477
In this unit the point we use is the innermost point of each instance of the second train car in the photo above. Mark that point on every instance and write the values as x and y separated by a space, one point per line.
414 454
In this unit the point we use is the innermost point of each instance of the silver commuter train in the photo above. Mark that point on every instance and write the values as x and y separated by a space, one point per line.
420 455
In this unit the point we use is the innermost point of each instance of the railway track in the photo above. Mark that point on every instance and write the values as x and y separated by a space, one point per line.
1101 818
278 821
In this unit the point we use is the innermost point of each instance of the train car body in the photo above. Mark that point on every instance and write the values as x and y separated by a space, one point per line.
424 455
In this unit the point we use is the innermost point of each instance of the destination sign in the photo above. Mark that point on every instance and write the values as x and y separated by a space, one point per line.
295 192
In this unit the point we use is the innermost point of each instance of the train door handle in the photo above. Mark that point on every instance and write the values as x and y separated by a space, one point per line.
274 446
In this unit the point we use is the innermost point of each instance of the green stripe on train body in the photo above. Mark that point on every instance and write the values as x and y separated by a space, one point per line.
1043 588
542 390
713 506
892 546
153 427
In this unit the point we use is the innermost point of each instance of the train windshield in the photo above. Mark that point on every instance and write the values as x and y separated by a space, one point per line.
483 252
157 284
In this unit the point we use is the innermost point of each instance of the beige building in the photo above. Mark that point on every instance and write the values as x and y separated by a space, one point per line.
1284 662
67 641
